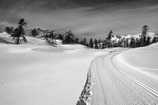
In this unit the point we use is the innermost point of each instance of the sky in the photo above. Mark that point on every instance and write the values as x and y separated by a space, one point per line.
82 16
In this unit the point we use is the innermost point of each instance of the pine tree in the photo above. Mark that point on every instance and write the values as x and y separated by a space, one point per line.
145 29
60 36
77 40
34 32
104 44
69 38
91 43
155 39
96 43
109 35
147 41
9 30
19 31
132 44
52 35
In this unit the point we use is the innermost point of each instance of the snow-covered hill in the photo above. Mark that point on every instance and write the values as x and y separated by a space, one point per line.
125 77
143 63
35 73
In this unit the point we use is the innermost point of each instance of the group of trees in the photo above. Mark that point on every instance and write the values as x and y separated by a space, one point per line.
17 32
118 41
69 38
143 40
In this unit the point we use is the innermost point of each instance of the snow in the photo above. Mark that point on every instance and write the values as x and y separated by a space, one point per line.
34 73
125 77
142 64
142 59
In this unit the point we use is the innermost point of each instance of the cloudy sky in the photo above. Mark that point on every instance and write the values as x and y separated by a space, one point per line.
98 16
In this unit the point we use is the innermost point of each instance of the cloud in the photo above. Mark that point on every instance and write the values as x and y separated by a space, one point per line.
81 16
63 3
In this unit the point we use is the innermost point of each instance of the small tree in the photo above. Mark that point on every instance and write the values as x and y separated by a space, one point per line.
69 38
52 35
132 43
76 40
145 29
34 32
19 31
155 39
104 44
90 43
9 30
148 41
96 43
60 36
109 35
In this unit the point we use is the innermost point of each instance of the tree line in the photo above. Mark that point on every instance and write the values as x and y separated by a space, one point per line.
69 38
109 42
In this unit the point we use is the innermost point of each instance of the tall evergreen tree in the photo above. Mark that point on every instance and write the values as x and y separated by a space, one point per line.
19 31
145 29
148 40
91 43
96 43
109 35
132 44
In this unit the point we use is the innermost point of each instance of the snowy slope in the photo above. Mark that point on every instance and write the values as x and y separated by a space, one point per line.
38 74
145 59
125 77
35 73
143 63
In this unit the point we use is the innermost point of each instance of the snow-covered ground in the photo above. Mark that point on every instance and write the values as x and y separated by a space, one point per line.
38 74
126 77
